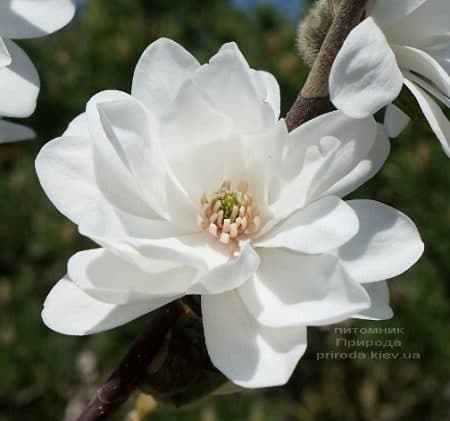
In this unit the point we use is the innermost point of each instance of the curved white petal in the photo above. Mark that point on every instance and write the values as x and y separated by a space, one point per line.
78 127
430 19
379 302
434 115
290 194
395 120
422 63
387 244
365 76
318 154
319 227
193 137
247 353
71 311
291 289
5 57
227 81
217 271
270 90
366 168
161 71
133 134
112 169
387 12
439 48
19 84
111 279
255 158
76 194
31 19
65 170
12 132
228 275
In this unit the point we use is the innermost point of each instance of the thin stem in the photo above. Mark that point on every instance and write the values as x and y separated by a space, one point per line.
314 94
123 381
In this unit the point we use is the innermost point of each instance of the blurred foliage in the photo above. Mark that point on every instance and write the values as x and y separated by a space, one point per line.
47 376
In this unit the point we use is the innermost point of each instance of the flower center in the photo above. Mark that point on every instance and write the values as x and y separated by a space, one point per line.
230 215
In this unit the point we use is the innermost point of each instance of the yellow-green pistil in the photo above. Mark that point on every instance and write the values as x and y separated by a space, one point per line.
227 203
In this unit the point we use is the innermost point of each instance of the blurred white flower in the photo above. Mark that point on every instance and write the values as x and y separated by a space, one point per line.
401 42
192 185
19 80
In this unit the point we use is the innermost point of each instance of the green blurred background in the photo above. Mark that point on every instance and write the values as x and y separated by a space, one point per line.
47 376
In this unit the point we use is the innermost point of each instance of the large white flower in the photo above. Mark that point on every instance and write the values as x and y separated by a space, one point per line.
401 42
192 185
19 80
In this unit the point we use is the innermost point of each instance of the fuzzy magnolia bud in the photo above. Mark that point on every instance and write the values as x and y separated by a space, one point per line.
313 29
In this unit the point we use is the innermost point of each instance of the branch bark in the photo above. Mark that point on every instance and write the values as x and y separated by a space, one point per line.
123 381
314 94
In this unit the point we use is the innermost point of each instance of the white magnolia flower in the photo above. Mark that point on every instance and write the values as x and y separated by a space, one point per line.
192 185
19 80
401 42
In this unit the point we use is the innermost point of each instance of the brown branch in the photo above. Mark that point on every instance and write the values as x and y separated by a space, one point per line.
123 381
314 95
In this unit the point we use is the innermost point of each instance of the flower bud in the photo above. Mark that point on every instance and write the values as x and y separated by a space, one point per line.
182 373
313 29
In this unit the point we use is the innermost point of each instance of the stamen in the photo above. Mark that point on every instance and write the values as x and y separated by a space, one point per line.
213 230
230 216
224 238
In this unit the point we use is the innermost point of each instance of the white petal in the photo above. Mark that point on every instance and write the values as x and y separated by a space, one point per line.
422 63
270 90
30 19
290 194
78 127
395 121
112 279
75 192
19 84
356 138
65 170
12 132
109 225
439 48
366 168
161 71
247 353
387 244
193 136
227 80
229 275
71 311
255 158
387 12
5 57
291 289
217 270
432 18
133 134
365 76
318 154
319 227
112 170
379 302
434 115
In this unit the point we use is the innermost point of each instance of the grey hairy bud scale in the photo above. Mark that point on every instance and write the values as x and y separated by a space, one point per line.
313 29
